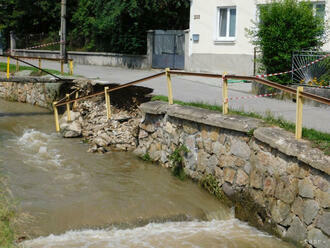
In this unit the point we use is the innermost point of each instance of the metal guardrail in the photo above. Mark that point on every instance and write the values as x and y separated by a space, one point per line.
20 59
298 92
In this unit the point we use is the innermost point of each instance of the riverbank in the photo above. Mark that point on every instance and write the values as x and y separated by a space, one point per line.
109 199
7 214
275 183
232 156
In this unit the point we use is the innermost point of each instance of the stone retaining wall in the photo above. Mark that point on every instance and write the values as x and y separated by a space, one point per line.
42 93
276 183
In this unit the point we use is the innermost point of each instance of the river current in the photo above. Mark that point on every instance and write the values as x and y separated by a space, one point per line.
77 199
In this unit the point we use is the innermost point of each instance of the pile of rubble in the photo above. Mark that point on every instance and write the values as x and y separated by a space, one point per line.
89 120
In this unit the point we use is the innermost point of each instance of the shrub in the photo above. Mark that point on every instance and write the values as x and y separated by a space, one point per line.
285 26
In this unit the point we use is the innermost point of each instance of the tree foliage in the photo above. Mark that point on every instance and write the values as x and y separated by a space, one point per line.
121 26
95 25
286 26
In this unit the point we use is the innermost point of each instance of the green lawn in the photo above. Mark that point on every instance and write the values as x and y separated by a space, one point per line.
12 67
319 139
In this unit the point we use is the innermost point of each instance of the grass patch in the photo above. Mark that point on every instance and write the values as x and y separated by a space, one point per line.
7 215
319 139
146 157
210 183
193 104
35 71
177 159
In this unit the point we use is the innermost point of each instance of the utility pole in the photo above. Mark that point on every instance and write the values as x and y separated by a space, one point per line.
63 53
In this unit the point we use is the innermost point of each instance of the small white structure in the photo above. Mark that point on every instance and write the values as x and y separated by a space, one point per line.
218 39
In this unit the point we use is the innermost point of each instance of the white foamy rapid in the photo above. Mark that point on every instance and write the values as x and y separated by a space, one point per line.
35 146
224 234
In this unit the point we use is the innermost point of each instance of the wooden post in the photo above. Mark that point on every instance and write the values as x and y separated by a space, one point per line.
8 67
57 123
169 86
299 109
39 60
71 66
224 94
68 111
62 67
75 102
107 102
17 66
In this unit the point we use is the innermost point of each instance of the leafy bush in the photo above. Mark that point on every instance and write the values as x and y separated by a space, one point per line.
285 26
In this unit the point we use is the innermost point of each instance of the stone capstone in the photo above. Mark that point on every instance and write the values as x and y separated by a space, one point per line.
285 142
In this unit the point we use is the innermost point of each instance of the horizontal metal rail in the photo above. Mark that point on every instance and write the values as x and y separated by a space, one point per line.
195 74
50 59
283 87
112 89
40 69
12 57
251 78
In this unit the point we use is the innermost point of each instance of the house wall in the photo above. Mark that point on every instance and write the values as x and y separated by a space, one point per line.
217 56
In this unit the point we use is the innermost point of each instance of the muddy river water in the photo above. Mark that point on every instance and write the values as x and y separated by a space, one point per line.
77 199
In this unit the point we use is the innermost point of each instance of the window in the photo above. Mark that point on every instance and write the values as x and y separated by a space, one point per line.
226 24
319 9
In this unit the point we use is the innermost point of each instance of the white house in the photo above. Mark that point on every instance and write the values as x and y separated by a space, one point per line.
217 37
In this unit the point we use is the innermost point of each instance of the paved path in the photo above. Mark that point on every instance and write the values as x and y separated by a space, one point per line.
208 91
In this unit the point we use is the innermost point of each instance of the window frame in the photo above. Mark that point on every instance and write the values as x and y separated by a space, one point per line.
314 4
227 37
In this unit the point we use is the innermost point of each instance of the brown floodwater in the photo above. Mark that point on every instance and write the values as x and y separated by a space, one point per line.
79 199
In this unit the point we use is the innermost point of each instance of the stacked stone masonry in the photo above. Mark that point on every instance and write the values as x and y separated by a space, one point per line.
27 91
286 180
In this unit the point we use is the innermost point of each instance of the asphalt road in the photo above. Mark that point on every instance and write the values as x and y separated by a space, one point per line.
207 91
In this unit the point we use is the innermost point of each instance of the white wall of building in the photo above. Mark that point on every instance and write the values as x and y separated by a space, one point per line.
211 54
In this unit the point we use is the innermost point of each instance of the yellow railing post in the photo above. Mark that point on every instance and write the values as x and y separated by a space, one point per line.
75 104
8 67
169 86
71 66
107 102
57 123
62 67
39 60
224 94
17 66
299 102
68 111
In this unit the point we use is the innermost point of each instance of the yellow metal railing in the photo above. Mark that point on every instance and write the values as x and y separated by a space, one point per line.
300 94
70 62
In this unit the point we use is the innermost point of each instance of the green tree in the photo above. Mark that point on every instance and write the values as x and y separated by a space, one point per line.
121 26
26 17
285 26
